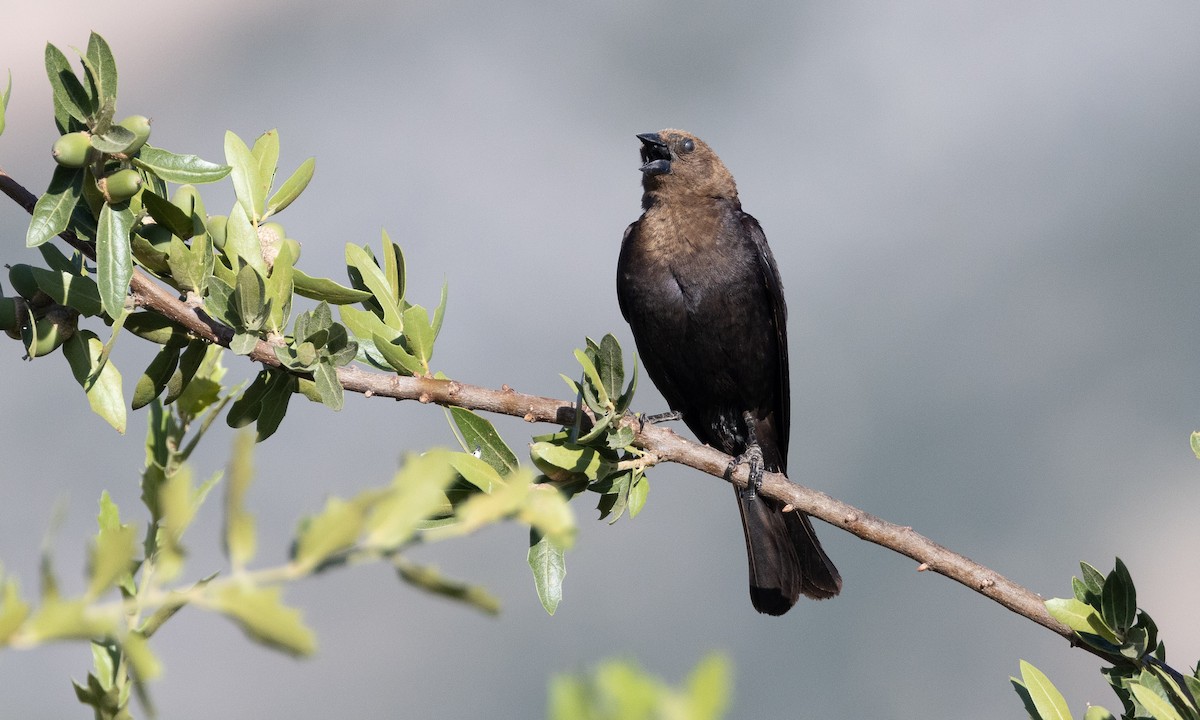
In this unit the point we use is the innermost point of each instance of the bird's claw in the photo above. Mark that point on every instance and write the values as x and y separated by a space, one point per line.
669 416
754 458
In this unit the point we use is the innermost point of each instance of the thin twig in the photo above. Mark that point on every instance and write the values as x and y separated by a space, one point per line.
661 442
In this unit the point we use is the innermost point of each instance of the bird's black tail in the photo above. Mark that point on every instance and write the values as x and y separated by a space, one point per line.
786 559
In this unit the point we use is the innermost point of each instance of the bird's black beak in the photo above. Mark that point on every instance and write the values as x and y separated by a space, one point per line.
656 156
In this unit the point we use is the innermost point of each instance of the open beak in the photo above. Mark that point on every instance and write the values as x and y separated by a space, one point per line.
656 156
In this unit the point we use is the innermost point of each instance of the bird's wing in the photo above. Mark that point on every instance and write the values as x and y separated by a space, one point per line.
769 274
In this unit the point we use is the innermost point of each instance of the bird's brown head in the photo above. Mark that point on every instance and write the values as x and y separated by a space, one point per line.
679 164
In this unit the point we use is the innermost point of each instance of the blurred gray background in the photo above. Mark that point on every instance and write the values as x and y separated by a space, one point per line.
987 222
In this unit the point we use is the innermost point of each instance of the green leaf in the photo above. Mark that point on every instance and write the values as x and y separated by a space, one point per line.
191 266
113 551
101 383
13 610
334 530
1195 437
328 387
1092 578
416 492
114 140
154 380
476 471
546 510
114 259
393 268
279 289
240 536
373 279
166 214
103 69
709 688
549 566
265 619
52 212
610 365
1118 600
292 187
71 100
393 354
1080 617
593 376
241 241
479 435
251 297
561 461
274 404
69 619
440 312
637 495
429 579
181 169
189 363
1050 703
247 184
71 289
144 664
266 160
4 96
1095 712
326 290
418 334
1159 708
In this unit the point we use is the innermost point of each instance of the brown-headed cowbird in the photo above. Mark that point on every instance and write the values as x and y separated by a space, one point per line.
700 290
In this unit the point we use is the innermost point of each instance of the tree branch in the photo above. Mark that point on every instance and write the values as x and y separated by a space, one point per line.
661 443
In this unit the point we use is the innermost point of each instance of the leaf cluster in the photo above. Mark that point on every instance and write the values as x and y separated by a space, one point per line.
1104 614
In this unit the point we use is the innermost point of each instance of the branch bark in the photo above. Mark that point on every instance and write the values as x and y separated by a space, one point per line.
661 443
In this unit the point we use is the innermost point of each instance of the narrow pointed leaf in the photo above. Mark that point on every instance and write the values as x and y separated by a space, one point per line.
114 259
103 68
429 579
266 159
265 619
181 169
292 187
417 492
1118 599
324 289
70 97
240 536
247 185
83 352
549 567
335 529
1159 708
1050 703
375 281
480 436
52 212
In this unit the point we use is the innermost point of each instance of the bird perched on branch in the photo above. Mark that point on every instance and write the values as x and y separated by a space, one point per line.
700 290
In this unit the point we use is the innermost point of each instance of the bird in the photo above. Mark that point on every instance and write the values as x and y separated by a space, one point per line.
699 287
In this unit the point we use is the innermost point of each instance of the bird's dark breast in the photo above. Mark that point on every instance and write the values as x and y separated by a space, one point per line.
701 319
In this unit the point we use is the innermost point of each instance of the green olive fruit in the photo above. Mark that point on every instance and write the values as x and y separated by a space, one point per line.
294 246
9 320
216 230
121 185
73 150
22 280
51 331
139 125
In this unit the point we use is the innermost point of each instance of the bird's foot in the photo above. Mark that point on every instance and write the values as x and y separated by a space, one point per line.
754 458
669 416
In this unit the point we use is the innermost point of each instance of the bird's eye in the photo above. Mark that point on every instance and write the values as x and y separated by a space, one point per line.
686 146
